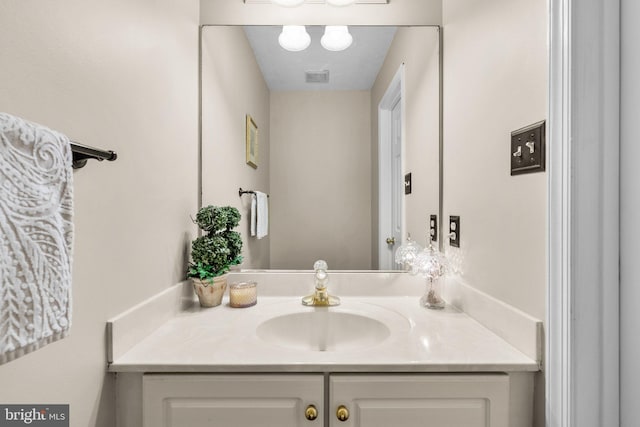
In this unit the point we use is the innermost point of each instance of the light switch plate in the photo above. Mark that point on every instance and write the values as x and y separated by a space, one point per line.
407 183
528 149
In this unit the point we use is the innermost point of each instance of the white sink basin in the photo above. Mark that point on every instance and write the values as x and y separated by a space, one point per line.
323 329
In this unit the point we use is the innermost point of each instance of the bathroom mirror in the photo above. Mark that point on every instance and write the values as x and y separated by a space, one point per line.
339 136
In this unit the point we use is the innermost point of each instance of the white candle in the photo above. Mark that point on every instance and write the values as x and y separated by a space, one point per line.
243 294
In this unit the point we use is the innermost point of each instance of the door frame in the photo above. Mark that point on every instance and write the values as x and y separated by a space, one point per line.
582 340
395 91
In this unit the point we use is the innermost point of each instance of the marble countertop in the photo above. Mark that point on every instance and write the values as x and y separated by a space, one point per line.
224 339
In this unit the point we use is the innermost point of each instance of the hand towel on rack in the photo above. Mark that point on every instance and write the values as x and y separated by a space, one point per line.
259 215
36 232
254 208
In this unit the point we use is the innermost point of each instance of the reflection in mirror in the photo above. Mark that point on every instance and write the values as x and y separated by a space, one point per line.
331 155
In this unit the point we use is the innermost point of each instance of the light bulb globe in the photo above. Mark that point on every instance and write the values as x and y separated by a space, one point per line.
294 38
336 38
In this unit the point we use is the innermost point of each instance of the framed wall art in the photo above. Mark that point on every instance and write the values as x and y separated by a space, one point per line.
252 143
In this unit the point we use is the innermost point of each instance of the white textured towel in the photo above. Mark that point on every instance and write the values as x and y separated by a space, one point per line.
36 232
259 215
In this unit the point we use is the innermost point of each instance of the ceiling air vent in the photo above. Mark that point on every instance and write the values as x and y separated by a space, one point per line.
317 76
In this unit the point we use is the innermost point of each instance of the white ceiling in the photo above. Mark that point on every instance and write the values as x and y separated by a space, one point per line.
355 68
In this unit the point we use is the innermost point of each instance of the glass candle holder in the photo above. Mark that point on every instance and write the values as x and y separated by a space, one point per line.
243 294
432 297
407 252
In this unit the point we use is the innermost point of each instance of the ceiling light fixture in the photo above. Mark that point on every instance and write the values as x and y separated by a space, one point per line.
340 2
336 38
288 3
294 38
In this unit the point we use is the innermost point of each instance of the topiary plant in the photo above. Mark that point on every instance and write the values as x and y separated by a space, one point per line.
219 248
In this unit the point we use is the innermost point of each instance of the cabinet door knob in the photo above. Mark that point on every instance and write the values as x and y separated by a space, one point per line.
391 241
311 413
342 413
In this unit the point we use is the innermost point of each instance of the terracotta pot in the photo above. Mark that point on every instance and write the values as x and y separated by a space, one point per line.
210 294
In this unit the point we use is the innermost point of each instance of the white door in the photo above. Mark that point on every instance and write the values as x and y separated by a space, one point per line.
419 400
233 400
397 182
391 181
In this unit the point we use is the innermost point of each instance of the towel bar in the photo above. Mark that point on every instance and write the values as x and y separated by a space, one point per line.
241 192
82 153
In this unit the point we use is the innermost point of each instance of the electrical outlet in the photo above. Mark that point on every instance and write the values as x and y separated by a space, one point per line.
454 231
433 227
528 149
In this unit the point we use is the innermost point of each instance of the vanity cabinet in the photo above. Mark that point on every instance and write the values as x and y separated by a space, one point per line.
232 400
352 400
438 400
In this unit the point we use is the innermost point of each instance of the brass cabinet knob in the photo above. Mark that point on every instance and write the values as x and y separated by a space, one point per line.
311 413
391 240
342 413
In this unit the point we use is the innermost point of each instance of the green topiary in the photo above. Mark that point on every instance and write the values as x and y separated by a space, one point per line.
233 217
219 248
211 219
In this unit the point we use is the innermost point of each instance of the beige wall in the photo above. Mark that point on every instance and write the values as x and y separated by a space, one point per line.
496 81
232 87
418 49
320 179
120 75
396 12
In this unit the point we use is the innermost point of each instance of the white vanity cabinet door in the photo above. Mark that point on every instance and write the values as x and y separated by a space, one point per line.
448 400
237 400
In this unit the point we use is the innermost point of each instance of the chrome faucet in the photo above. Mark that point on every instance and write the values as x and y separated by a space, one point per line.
321 297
